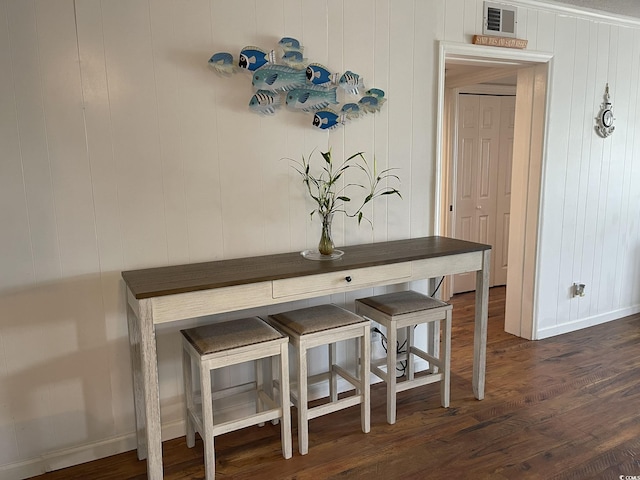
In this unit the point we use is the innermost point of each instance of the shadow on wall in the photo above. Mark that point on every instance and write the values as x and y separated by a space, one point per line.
65 372
65 369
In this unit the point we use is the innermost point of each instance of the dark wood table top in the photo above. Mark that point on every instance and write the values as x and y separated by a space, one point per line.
159 281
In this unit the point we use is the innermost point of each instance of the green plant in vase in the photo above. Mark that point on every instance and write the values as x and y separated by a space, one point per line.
332 196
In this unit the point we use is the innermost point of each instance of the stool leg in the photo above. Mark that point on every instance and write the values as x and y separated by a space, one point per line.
410 369
365 367
433 344
272 383
303 419
207 423
445 359
360 357
259 374
285 424
188 392
333 377
392 342
275 383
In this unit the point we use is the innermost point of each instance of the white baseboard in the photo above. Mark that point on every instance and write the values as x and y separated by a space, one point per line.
67 457
82 453
587 322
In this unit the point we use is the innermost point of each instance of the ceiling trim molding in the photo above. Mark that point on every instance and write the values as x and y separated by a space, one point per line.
479 55
575 11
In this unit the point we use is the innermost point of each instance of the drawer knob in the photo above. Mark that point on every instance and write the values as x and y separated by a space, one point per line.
348 278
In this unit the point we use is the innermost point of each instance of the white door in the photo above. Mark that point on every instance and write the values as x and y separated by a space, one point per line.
483 179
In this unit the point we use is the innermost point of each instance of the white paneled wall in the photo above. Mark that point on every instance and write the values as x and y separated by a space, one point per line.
591 208
121 149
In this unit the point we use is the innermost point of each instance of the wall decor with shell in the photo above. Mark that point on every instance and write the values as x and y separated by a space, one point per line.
288 78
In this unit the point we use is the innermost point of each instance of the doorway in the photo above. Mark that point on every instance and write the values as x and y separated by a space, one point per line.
474 65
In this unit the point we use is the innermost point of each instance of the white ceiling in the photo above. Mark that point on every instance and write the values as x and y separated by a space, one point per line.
629 8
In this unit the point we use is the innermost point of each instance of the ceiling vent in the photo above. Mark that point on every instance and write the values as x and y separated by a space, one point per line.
500 19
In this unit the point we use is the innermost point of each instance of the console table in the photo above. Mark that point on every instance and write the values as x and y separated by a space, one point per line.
169 294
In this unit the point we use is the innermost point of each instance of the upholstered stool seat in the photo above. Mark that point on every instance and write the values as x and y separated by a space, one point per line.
325 325
229 343
406 310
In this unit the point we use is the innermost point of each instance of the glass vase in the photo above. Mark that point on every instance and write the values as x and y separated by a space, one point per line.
326 247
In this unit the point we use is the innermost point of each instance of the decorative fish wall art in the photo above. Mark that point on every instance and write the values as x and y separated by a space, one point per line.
287 78
278 78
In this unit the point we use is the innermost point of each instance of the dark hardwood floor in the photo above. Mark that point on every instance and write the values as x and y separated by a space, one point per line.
567 407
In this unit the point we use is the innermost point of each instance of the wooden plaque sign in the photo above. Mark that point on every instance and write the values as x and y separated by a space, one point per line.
499 41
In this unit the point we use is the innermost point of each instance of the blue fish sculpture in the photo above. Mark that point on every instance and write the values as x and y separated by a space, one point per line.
265 102
371 104
253 58
351 110
319 75
327 119
311 98
278 78
222 62
290 44
375 92
294 59
351 82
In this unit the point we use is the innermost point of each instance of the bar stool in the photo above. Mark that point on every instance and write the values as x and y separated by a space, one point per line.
229 343
406 310
325 325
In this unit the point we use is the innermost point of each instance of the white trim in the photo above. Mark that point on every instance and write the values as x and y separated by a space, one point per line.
545 157
471 54
437 201
525 307
68 457
575 11
587 322
481 54
83 453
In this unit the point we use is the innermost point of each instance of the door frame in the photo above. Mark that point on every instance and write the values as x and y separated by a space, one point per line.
532 96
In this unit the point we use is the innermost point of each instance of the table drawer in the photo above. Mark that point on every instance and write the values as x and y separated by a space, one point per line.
207 302
448 265
327 283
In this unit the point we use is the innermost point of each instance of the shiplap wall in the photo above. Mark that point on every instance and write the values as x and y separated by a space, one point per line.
120 149
591 195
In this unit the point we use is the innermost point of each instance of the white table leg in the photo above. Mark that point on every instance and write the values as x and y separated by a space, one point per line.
138 387
365 379
207 424
144 361
480 331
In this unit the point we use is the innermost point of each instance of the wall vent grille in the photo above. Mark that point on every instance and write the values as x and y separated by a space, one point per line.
500 20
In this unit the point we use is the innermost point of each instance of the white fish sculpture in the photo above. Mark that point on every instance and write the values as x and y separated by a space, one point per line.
265 102
222 62
311 98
